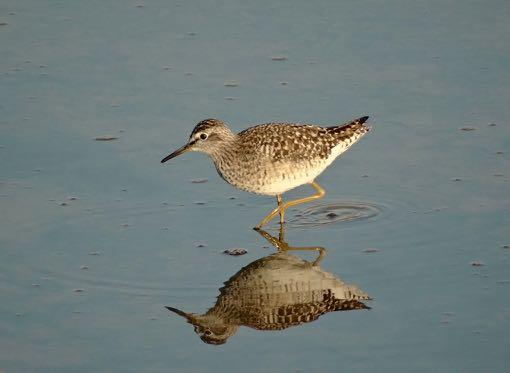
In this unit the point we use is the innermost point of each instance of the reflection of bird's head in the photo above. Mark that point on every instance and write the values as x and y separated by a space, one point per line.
210 329
214 334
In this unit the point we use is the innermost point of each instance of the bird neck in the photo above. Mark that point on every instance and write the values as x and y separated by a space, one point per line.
225 151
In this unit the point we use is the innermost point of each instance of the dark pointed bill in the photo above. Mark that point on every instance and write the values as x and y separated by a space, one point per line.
179 151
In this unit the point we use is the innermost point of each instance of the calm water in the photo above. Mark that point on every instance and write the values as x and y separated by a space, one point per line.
97 237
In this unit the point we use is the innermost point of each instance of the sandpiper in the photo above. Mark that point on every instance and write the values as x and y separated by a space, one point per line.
273 158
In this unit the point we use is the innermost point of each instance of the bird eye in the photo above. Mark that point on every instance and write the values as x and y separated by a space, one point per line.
207 332
203 136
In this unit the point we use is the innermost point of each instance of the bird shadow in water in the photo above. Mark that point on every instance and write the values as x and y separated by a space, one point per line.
275 292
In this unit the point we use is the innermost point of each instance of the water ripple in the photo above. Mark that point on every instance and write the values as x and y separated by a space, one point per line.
334 213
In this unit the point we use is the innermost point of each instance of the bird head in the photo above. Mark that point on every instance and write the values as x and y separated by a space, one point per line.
208 136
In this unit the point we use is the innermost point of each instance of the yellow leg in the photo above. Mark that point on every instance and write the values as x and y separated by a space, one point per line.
281 208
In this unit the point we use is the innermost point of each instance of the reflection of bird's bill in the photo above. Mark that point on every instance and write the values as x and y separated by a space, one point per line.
181 150
189 317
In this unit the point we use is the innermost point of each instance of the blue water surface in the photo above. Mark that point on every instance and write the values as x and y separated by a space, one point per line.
97 237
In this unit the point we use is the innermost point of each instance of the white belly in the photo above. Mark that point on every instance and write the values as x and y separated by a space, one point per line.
289 175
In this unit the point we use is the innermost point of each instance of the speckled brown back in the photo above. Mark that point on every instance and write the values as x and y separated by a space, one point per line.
295 142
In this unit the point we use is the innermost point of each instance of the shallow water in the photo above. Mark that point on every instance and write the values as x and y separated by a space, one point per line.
97 237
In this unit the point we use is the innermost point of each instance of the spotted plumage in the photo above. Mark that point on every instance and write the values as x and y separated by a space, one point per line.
272 158
300 143
275 157
274 293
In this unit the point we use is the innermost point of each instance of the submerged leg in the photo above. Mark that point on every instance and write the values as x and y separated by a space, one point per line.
281 208
282 212
281 245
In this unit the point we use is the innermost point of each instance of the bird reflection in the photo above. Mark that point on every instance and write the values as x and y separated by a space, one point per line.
273 293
